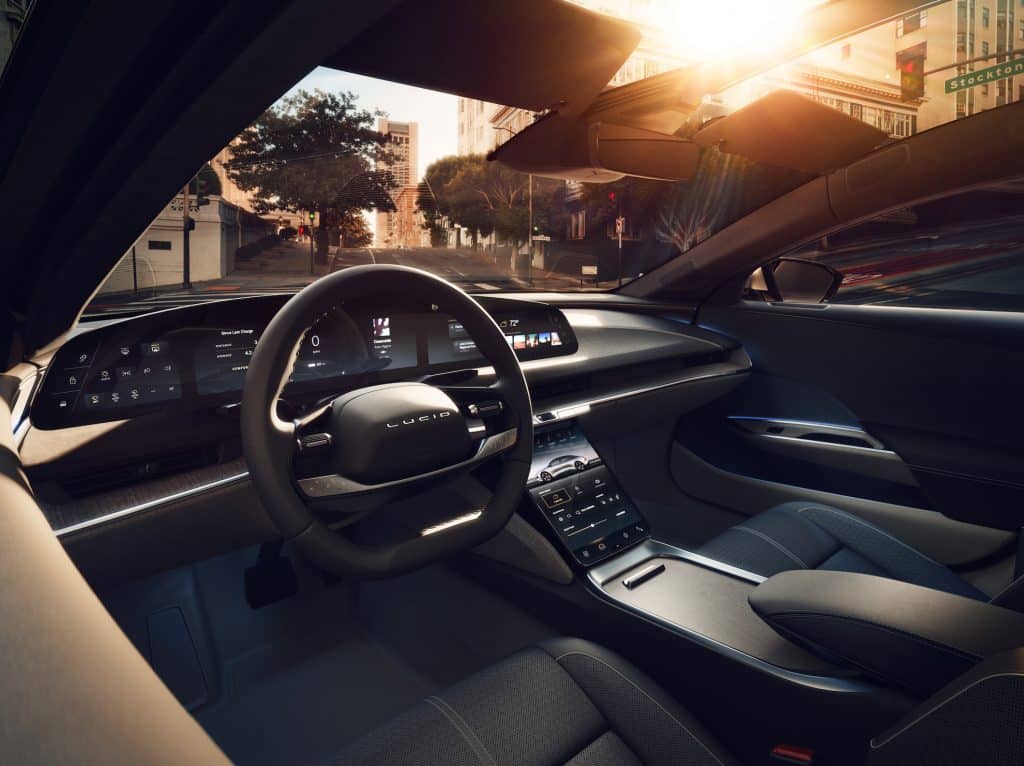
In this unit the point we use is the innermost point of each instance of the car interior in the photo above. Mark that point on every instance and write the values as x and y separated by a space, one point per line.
759 502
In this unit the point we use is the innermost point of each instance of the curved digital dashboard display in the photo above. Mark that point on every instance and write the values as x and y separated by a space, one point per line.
197 356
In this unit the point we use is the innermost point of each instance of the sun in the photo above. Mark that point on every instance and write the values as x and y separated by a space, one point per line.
709 32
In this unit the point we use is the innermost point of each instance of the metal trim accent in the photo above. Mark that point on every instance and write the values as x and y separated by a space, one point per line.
609 570
154 503
751 425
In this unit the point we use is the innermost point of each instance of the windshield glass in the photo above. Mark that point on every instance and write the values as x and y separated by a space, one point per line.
344 170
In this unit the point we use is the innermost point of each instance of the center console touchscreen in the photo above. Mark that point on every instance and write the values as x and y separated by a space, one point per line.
579 497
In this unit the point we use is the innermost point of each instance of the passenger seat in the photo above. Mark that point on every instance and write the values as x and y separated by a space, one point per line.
805 535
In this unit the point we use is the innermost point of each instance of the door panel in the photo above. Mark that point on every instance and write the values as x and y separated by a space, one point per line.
941 388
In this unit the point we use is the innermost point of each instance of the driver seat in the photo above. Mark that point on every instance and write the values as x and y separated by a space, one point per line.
564 701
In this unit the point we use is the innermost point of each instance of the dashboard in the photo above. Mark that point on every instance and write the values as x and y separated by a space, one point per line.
196 357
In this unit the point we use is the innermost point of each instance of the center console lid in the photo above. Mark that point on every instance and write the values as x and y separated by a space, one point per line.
902 634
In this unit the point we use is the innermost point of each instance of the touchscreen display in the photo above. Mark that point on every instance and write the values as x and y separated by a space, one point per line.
579 497
530 337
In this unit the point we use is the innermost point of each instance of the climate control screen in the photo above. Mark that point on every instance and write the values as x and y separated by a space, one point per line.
579 497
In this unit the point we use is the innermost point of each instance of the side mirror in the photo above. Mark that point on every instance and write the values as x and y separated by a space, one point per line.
792 280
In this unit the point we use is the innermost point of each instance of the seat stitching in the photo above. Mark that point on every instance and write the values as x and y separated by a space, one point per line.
640 689
775 543
871 527
464 729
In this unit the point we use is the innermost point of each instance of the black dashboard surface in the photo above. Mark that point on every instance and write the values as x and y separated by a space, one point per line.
192 358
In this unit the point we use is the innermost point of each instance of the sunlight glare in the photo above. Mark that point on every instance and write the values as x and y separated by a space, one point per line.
702 31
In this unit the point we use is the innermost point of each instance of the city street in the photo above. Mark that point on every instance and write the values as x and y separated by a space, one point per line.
284 268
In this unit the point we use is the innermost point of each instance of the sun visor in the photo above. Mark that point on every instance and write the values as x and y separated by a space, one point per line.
597 152
789 130
657 103
533 54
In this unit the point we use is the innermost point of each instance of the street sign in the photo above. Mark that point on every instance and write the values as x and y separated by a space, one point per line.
541 238
588 271
986 75
620 224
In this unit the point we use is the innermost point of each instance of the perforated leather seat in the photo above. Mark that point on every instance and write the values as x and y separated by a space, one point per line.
565 701
804 535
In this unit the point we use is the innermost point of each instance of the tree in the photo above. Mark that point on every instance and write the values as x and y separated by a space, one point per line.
481 196
314 152
353 230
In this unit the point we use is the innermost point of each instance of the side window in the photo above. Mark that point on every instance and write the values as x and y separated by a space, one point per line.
965 251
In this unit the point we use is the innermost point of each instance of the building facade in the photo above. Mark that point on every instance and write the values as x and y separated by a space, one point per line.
402 227
157 258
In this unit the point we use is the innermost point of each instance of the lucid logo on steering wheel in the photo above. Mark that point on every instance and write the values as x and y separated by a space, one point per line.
420 419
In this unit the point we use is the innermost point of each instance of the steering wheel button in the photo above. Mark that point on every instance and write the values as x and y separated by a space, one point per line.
314 442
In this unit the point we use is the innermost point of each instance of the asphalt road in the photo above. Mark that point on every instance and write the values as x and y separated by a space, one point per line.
285 269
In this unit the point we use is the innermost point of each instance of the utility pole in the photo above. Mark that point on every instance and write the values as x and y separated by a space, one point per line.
186 276
529 250
312 256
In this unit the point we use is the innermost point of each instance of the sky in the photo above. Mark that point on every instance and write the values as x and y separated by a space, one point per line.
436 113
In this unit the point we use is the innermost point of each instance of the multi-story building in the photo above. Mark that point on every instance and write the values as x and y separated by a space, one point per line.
860 75
400 228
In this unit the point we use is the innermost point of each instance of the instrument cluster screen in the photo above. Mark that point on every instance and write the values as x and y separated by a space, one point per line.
334 347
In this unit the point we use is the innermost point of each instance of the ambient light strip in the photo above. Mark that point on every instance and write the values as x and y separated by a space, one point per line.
465 519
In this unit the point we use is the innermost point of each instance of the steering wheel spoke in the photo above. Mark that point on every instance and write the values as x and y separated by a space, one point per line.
333 486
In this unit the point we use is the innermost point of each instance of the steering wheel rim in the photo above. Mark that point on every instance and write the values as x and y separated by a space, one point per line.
269 443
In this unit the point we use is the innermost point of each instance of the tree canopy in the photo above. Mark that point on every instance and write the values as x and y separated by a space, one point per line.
314 152
483 197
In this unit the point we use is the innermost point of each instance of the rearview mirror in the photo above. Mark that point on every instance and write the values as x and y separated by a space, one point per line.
793 280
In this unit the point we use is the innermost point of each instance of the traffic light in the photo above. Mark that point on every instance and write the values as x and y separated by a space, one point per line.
190 224
312 216
202 191
911 76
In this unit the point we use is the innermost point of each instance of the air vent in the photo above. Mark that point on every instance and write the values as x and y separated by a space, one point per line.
125 475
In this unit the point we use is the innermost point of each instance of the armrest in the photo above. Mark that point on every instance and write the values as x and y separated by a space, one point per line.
903 634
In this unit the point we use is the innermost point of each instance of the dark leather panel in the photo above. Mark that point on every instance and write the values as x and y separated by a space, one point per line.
918 638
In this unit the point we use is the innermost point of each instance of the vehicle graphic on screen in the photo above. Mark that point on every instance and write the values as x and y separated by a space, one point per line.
563 465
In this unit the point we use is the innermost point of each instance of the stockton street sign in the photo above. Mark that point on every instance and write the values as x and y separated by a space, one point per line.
986 75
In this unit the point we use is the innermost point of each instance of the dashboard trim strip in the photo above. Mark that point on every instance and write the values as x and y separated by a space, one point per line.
154 503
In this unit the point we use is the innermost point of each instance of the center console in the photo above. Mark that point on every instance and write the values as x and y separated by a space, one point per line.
589 515
579 498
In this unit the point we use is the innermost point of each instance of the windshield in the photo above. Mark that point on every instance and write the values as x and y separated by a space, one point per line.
345 170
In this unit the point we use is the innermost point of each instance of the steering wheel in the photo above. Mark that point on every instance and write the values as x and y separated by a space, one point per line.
384 442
